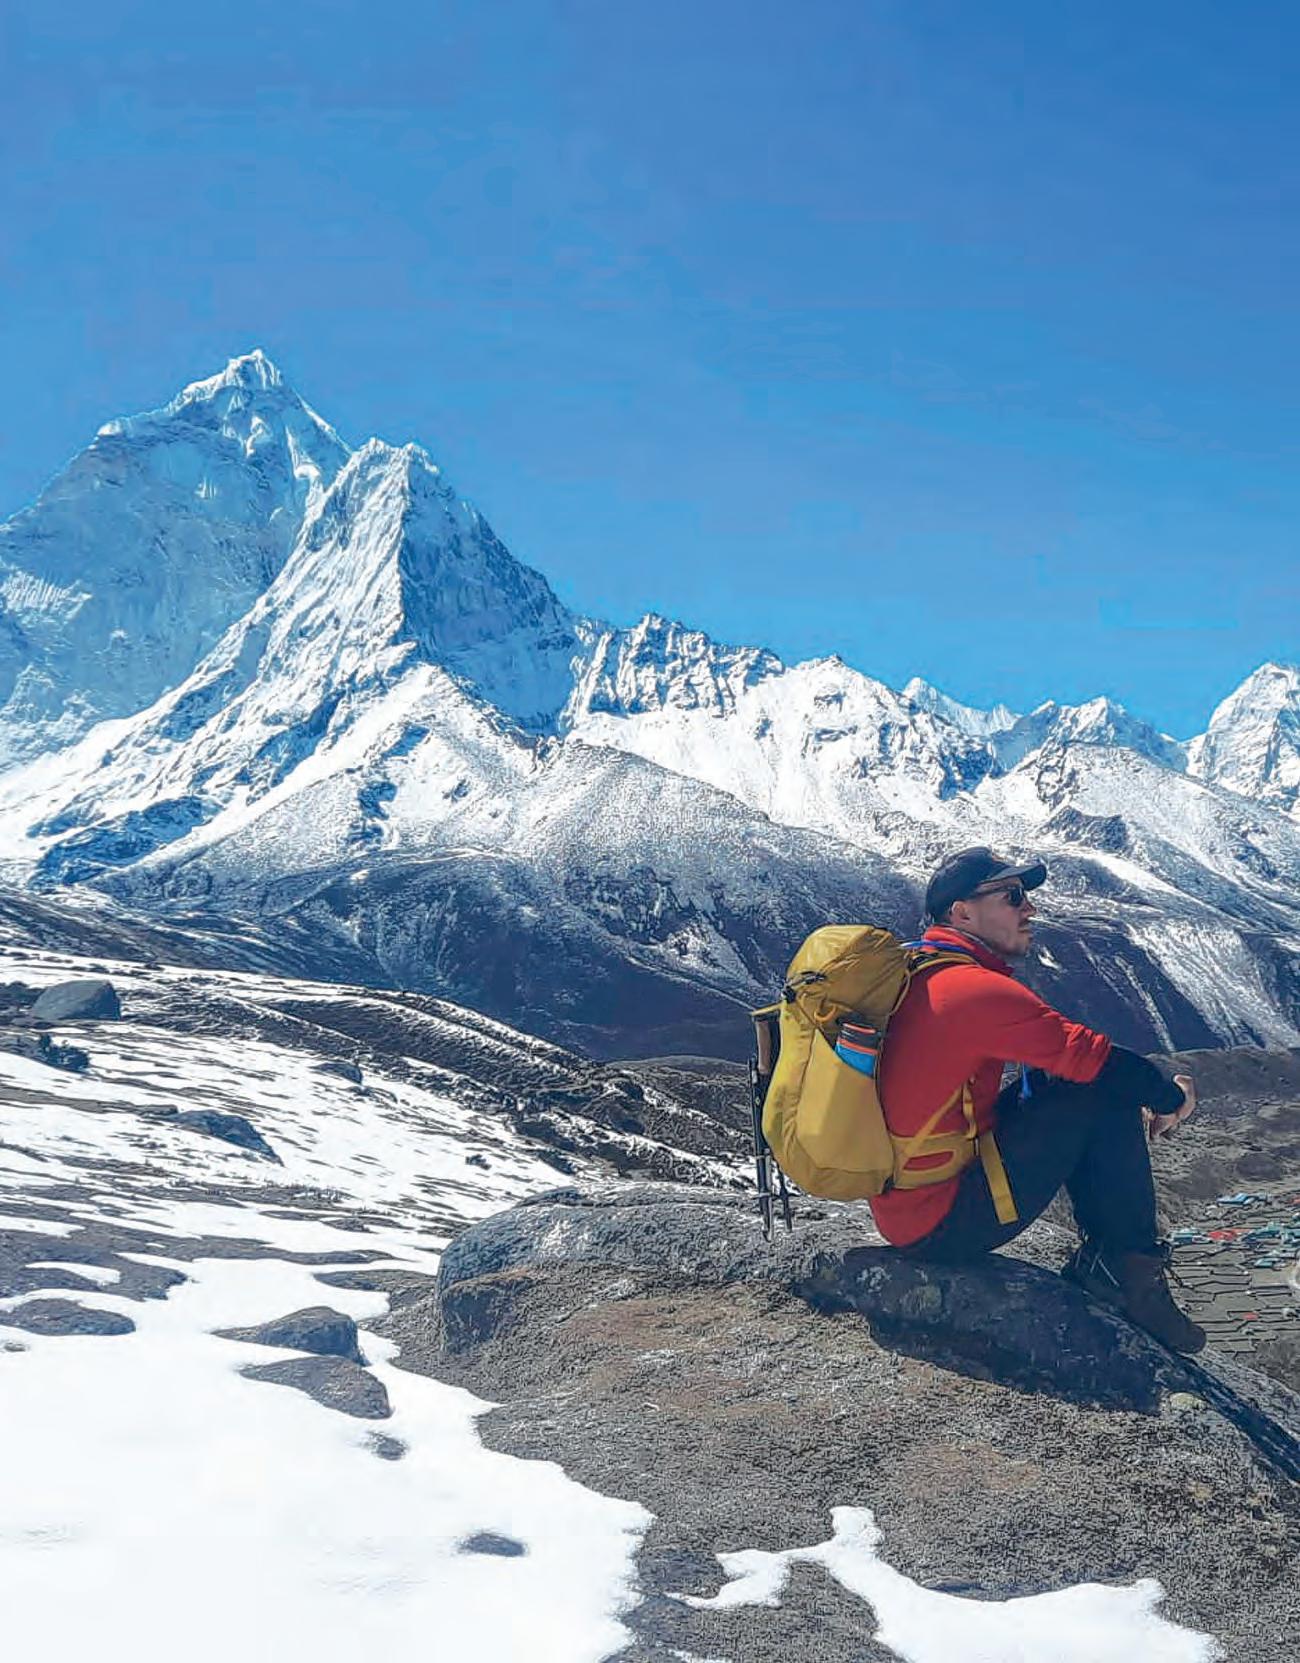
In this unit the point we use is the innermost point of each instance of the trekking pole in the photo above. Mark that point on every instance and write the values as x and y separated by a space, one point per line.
761 1065
761 1157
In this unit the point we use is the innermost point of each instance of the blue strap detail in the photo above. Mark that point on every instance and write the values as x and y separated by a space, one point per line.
938 947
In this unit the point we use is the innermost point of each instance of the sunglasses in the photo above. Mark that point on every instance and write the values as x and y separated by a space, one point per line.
1013 894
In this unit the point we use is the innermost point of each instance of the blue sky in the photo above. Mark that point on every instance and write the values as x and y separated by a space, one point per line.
959 340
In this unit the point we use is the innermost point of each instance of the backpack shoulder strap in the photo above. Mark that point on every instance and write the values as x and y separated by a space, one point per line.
922 956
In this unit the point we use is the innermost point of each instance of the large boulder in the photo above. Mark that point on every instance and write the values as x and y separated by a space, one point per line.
89 999
334 1382
230 1128
1007 1438
65 1316
318 1329
42 1048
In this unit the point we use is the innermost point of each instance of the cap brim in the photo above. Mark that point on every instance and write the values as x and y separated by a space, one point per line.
1032 875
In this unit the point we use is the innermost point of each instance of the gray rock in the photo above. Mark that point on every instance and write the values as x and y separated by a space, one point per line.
402 1287
64 1316
487 1541
332 1381
386 1448
42 1048
91 999
317 1329
1008 1438
20 1278
340 1066
230 1128
1003 1318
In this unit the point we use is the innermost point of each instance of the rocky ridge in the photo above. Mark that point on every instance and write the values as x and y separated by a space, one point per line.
1006 1437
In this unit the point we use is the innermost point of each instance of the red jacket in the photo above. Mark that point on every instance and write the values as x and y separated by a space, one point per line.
958 1023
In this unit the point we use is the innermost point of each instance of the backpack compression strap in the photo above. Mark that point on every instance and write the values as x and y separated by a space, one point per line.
961 1148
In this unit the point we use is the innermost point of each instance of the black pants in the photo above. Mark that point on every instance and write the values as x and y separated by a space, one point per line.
1090 1139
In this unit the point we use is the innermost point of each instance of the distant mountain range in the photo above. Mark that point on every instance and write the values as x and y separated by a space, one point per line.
248 673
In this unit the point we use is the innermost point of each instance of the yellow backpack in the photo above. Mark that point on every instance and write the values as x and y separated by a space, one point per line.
817 1115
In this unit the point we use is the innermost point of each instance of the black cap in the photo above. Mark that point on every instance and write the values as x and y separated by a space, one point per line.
968 870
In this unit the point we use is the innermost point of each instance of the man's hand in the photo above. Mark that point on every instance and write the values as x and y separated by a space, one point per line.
1160 1125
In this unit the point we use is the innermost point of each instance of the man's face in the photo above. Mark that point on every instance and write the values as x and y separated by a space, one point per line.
998 914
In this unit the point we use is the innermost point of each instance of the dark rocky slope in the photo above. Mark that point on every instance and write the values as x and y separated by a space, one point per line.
1008 1438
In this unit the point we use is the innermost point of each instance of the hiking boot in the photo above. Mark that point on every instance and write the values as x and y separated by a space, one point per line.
1134 1285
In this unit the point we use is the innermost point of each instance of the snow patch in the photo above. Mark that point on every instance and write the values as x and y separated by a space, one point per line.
1090 1623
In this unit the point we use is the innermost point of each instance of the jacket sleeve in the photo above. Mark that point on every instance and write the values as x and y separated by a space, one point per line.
1136 1080
1002 1019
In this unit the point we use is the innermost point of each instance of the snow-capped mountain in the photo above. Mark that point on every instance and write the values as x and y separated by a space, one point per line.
147 546
1252 743
978 723
660 664
269 677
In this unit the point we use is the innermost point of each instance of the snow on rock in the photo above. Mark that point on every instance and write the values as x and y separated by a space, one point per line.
173 1475
657 663
151 1456
1057 728
978 723
818 746
1085 1624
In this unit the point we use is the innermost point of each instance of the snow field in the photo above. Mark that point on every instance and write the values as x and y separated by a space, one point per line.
391 1145
151 1491
164 1495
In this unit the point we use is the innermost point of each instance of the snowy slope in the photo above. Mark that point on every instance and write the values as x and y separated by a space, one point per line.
145 1469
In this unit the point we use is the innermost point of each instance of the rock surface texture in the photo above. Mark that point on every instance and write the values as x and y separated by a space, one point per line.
318 1329
84 1000
1008 1438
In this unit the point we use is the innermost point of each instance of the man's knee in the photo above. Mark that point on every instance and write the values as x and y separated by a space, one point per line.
1091 1101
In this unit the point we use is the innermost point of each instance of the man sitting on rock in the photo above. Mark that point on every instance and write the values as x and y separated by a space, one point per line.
1079 1115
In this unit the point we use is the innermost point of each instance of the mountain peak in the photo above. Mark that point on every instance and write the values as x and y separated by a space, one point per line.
1268 688
1252 744
250 369
1054 728
660 663
149 544
248 401
979 724
390 548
